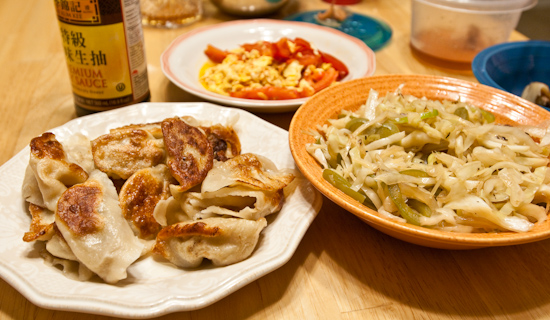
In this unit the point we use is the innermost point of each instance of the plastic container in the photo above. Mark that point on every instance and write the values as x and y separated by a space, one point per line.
452 32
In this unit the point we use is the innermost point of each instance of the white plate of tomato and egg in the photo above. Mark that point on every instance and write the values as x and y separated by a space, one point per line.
312 56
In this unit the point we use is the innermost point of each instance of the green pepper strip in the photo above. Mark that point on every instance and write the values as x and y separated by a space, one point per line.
387 129
420 207
401 120
404 210
463 113
415 173
430 114
342 184
355 123
488 116
335 157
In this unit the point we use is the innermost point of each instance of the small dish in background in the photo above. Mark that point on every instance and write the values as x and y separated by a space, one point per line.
514 65
182 60
373 32
249 8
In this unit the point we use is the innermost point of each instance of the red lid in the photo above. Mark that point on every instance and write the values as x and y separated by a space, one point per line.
343 2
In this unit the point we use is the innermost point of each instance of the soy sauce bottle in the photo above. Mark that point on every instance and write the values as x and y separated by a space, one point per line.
104 49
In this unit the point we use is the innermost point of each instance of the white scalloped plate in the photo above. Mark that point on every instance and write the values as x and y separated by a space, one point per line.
184 57
152 288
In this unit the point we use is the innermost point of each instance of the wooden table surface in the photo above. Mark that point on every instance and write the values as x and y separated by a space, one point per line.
342 269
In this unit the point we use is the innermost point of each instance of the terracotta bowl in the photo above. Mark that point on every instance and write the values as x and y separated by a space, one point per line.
508 109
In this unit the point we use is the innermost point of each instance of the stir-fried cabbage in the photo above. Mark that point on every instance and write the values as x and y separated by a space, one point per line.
437 164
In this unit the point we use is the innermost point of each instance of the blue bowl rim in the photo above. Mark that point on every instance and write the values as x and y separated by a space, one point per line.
479 64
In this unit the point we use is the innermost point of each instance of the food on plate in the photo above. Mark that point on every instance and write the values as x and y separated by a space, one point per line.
222 240
123 151
49 172
537 92
231 186
444 165
280 70
140 195
101 205
90 221
189 153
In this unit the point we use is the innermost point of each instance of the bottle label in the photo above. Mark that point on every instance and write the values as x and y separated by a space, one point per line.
104 49
84 12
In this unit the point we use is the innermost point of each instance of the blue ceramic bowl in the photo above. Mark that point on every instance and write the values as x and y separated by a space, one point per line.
513 65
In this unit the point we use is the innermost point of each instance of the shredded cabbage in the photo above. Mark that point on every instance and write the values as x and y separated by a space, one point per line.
439 164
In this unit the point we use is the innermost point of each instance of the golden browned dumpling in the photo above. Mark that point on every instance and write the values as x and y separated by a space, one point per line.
49 172
122 152
248 170
189 153
90 220
247 186
139 196
42 224
224 140
153 128
222 240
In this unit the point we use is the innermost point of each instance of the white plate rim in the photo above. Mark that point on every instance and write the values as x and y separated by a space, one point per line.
24 276
366 67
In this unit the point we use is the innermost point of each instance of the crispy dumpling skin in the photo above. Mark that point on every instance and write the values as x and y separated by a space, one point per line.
243 187
90 220
189 153
51 174
139 197
123 151
224 241
153 128
42 224
248 170
224 140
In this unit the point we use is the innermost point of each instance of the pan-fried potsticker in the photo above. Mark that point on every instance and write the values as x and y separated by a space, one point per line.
245 187
90 220
224 241
124 151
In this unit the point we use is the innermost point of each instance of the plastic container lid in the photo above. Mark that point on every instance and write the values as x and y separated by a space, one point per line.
482 6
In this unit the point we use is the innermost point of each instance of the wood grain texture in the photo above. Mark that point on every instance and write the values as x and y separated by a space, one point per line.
343 269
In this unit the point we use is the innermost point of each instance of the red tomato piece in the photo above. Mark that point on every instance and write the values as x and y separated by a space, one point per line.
307 58
329 76
302 44
215 54
264 47
282 50
336 64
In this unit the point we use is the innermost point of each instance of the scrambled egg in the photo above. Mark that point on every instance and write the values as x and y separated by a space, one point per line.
252 70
